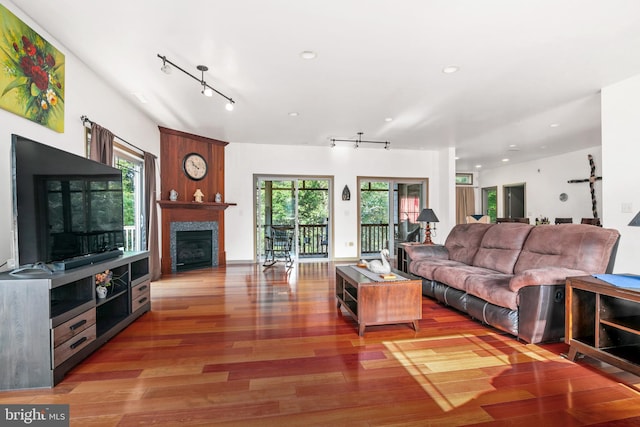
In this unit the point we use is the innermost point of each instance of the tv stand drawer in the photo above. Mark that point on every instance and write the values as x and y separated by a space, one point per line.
140 295
74 345
73 327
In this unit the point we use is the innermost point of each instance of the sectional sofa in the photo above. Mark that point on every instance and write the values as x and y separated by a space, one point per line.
511 275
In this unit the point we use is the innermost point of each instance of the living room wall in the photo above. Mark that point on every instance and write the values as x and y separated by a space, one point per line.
85 94
620 154
545 179
343 163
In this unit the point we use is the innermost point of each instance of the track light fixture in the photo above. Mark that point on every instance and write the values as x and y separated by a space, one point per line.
387 144
206 89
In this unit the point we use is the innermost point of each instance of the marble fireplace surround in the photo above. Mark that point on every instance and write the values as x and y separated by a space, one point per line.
176 226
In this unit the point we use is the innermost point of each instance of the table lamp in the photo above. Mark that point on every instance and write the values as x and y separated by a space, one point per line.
427 215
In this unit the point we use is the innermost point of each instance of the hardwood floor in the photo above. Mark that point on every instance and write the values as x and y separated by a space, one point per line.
239 346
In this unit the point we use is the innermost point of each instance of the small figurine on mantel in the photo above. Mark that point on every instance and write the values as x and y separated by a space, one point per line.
218 198
173 195
198 196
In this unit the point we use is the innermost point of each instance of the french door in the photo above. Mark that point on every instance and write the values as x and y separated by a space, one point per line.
299 206
388 210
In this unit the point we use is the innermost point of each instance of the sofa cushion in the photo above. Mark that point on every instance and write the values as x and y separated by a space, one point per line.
493 288
426 267
456 276
501 246
464 240
574 246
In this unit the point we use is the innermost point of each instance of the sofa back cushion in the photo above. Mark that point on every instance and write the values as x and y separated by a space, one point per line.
501 246
575 246
464 240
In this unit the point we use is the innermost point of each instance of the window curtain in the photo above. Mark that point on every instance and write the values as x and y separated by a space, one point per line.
151 215
465 203
101 148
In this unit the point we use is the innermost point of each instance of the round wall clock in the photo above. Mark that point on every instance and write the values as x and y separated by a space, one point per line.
563 197
194 166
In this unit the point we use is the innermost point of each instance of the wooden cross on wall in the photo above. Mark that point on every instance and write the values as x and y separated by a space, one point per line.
591 180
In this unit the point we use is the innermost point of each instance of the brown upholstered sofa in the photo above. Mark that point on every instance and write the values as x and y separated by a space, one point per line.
512 275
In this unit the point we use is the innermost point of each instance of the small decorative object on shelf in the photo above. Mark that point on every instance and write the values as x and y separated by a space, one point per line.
198 195
103 282
218 198
173 195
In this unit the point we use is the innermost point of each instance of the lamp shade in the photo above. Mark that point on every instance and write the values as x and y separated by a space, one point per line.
635 222
427 215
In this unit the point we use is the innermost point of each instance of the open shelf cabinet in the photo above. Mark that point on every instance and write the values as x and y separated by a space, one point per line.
50 322
603 322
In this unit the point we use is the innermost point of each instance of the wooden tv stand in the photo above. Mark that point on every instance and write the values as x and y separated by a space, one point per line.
603 322
50 322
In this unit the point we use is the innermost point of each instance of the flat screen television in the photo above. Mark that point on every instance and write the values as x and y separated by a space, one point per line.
65 207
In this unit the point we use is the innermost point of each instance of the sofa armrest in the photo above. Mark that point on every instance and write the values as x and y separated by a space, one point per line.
417 252
543 276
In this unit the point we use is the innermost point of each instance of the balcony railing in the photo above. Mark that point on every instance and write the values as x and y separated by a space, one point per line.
373 238
313 239
130 238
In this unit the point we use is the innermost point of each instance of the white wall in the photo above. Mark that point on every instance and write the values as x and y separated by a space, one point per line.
546 178
85 94
621 154
345 164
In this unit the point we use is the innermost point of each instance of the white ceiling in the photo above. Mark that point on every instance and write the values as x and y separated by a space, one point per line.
523 66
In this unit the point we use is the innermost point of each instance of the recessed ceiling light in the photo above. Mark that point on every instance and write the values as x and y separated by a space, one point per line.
505 160
293 114
456 158
512 145
554 125
450 69
308 54
388 119
478 166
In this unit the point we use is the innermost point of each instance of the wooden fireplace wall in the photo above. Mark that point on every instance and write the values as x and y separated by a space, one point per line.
174 146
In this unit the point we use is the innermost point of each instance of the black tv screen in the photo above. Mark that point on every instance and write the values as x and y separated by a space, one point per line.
65 206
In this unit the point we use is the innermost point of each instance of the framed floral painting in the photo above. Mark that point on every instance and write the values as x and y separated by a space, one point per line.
32 74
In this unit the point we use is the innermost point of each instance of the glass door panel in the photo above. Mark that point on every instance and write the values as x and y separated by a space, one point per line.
408 205
302 204
389 210
374 217
313 218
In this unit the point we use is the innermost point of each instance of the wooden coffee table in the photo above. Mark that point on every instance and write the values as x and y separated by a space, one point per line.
379 303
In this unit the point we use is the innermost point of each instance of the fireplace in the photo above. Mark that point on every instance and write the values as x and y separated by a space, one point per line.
193 250
193 244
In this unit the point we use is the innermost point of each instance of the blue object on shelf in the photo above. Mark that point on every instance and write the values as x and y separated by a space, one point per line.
621 280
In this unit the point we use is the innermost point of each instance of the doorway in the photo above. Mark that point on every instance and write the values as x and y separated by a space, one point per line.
514 200
388 211
301 205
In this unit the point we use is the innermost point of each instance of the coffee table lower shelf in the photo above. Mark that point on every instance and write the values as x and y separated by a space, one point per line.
378 303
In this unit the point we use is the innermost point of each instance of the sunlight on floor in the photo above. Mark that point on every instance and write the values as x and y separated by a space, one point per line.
456 369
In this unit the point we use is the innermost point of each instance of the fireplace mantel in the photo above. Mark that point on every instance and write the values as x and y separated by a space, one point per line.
169 204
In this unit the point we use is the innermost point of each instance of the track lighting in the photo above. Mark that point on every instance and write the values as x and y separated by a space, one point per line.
166 68
359 140
207 90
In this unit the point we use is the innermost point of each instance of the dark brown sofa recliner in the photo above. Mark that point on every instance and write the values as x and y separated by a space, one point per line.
512 276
